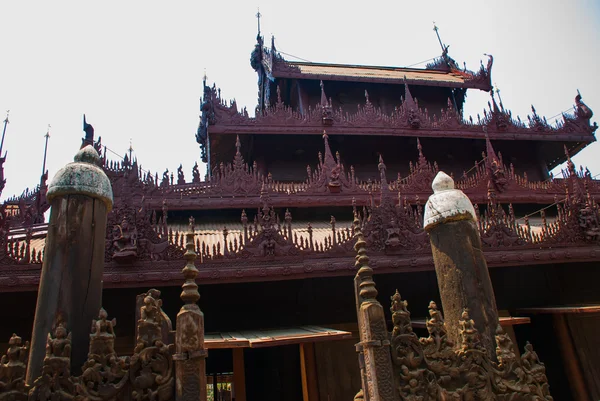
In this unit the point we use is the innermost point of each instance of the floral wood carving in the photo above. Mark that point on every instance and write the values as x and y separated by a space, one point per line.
432 368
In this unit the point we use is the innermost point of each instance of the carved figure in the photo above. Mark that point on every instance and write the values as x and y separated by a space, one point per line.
125 242
180 177
13 366
195 174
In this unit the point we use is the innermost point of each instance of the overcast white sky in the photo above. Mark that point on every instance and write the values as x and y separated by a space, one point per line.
135 67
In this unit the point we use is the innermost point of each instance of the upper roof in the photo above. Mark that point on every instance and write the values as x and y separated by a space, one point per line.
392 75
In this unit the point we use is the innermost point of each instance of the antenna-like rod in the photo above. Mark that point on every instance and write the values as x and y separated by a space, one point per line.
435 28
130 150
47 136
4 131
258 15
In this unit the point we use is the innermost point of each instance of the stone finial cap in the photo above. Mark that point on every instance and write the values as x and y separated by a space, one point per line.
82 177
447 203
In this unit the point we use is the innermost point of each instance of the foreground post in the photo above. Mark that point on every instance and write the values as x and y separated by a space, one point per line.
374 348
189 339
71 280
461 269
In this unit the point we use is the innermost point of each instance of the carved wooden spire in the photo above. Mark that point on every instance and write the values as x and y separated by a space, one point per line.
408 99
367 288
190 294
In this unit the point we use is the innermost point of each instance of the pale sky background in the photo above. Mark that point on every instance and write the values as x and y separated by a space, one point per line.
135 67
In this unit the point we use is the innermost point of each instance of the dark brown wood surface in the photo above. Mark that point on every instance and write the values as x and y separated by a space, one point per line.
71 278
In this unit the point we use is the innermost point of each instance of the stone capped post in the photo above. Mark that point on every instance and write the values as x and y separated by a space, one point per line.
189 339
462 272
71 279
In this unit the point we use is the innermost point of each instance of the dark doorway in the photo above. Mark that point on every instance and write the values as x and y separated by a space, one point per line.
273 374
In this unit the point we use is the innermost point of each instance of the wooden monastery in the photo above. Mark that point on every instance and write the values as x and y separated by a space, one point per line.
333 153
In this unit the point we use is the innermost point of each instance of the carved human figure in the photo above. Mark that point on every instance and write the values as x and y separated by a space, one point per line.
14 363
103 327
393 234
470 336
125 242
59 346
150 312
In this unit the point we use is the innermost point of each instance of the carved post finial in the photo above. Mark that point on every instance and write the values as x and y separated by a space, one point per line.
365 273
190 294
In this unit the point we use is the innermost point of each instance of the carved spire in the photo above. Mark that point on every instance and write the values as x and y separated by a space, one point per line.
422 159
324 102
238 145
367 288
408 99
329 161
190 294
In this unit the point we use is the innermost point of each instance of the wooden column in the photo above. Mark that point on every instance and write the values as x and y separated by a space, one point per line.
71 279
308 368
190 368
460 266
570 358
239 374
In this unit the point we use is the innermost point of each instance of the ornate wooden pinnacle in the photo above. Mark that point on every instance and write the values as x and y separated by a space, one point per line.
190 294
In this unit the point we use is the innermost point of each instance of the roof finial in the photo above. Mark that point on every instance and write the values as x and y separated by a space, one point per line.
258 15
4 131
47 136
436 29
130 150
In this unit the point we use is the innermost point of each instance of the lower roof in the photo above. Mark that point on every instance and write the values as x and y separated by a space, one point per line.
273 337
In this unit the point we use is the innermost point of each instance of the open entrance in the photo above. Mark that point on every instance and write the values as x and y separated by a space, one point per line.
266 365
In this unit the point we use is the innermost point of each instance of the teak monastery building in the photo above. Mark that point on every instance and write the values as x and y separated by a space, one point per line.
275 234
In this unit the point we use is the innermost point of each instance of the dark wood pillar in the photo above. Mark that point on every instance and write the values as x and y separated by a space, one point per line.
570 358
462 272
239 374
71 279
308 369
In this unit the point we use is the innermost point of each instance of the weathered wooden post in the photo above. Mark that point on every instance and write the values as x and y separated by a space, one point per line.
189 339
374 348
461 269
71 279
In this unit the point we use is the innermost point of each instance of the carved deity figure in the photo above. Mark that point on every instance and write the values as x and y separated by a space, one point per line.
498 176
470 335
125 242
393 234
60 345
334 178
588 222
14 364
103 335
